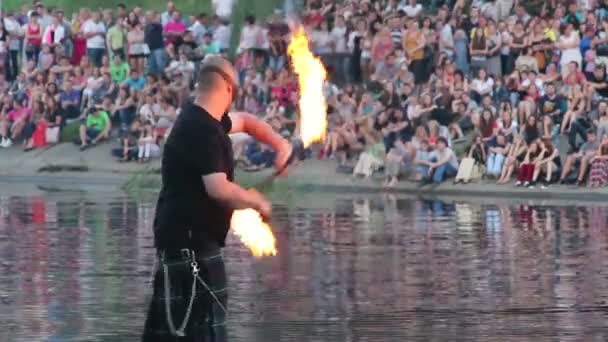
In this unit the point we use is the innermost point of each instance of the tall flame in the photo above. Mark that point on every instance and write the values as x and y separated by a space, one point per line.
311 76
254 233
247 224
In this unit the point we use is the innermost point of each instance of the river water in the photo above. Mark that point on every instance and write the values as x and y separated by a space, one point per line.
76 267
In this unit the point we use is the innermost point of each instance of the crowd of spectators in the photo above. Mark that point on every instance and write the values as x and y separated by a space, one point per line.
460 90
422 91
117 75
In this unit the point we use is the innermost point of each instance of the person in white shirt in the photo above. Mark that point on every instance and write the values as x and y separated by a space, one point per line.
223 8
446 39
412 9
166 16
54 33
199 29
338 37
222 34
94 31
250 35
182 66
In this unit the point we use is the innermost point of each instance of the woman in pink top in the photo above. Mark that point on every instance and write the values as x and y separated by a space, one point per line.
174 28
12 123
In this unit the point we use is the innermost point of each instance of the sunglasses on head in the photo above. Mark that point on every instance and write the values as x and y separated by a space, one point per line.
225 76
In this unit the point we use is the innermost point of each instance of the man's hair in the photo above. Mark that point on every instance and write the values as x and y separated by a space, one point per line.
442 140
209 79
121 5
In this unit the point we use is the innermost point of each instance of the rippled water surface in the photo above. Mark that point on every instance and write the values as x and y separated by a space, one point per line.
77 267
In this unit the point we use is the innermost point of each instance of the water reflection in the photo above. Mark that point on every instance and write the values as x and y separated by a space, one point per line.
77 268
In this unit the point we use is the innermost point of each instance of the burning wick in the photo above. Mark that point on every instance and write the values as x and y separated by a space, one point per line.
247 224
254 233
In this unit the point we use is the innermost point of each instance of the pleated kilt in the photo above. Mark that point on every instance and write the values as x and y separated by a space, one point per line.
173 280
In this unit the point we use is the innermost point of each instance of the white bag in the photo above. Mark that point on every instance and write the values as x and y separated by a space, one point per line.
146 49
52 135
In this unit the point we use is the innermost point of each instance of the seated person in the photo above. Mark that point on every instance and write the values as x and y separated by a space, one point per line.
119 69
12 123
442 163
470 165
70 101
578 162
496 156
135 80
96 128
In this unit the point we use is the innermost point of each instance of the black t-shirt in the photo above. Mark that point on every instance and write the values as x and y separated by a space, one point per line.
198 145
603 92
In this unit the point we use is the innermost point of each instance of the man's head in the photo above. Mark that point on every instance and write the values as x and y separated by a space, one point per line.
170 6
67 86
591 136
117 59
95 16
217 78
442 144
121 10
390 59
550 89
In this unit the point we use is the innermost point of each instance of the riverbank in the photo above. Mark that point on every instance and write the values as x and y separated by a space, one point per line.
65 168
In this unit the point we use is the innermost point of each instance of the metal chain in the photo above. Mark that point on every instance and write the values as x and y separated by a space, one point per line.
212 295
180 332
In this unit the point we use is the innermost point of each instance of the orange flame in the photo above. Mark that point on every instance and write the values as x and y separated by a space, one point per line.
254 233
311 76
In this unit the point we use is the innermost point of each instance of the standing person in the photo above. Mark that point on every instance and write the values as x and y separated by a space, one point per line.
94 31
569 45
153 38
33 38
116 39
195 206
413 45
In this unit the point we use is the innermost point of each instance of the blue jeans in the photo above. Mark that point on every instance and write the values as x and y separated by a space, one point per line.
276 63
494 163
157 61
96 55
441 172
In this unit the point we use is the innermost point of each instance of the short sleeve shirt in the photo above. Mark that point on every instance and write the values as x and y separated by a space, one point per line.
186 217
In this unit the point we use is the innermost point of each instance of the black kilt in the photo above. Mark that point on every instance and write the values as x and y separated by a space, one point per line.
207 321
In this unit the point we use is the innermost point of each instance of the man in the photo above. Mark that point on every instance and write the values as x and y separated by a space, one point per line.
135 81
198 28
442 163
387 70
116 39
582 159
15 35
121 11
223 8
582 124
166 16
222 34
119 69
95 32
194 208
70 101
553 104
153 36
96 127
174 28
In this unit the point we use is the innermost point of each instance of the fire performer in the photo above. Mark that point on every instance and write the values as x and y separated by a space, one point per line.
194 208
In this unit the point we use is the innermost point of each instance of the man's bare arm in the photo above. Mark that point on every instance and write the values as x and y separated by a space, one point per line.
248 123
221 189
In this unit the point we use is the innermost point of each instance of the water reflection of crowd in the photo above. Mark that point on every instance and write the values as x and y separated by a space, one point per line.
356 256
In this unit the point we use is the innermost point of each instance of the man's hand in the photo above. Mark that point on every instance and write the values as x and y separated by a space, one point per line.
262 205
283 153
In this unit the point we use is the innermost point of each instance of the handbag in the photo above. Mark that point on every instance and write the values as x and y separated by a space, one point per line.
146 49
52 135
